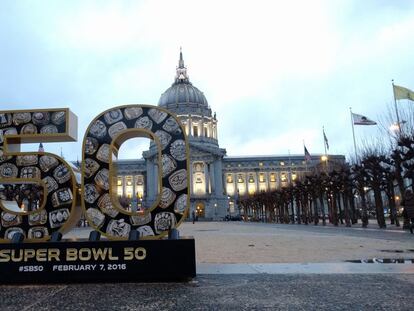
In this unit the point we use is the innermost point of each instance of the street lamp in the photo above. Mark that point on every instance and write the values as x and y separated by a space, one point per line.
396 126
324 159
229 209
215 211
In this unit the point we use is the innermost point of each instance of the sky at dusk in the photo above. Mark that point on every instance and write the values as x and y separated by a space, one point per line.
275 72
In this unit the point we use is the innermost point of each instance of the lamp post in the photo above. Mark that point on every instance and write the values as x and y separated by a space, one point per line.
324 159
396 127
229 211
215 211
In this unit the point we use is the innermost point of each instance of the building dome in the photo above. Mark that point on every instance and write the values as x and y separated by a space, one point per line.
183 97
182 93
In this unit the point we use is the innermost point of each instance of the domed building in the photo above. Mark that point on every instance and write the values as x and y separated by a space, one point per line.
206 157
216 180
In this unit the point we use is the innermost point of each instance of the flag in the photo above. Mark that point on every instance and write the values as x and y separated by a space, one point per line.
403 93
325 139
41 149
307 154
362 120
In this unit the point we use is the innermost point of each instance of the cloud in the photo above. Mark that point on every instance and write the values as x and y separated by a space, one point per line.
274 71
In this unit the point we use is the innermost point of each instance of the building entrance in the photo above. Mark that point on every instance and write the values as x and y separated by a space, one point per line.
200 210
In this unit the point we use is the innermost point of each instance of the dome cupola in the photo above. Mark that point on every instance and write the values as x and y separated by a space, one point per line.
183 97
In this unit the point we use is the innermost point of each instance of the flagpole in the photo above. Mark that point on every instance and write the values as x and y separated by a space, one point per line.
306 161
353 135
325 142
290 168
396 110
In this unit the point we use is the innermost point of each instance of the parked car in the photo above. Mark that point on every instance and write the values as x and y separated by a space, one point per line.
232 218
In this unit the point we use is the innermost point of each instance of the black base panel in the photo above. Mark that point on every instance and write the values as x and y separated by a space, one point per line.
98 261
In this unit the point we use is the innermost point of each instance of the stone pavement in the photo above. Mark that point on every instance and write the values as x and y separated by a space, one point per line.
255 267
238 242
224 292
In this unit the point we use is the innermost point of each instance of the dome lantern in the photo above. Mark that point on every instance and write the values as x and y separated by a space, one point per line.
183 97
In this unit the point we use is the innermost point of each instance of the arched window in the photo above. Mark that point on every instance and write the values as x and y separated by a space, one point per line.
229 178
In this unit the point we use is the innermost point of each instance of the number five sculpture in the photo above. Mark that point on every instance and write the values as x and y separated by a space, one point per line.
58 210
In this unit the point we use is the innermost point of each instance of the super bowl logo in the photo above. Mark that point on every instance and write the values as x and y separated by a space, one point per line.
49 180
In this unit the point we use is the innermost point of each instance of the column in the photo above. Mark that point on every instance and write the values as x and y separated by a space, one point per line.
144 187
267 180
208 128
212 178
218 178
187 128
134 186
123 186
149 180
201 127
190 124
207 177
246 183
155 182
191 178
256 182
235 185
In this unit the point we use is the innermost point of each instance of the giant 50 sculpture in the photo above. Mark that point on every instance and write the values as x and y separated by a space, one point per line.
56 185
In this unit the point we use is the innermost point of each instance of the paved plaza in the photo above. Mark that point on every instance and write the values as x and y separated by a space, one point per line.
255 266
239 242
223 292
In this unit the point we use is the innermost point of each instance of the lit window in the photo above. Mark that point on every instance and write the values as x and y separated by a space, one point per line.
282 163
140 180
272 177
199 167
229 178
195 130
239 165
283 177
261 164
251 179
119 182
262 177
240 178
129 181
294 176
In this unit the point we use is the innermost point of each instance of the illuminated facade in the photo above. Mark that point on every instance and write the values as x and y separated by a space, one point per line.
216 180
